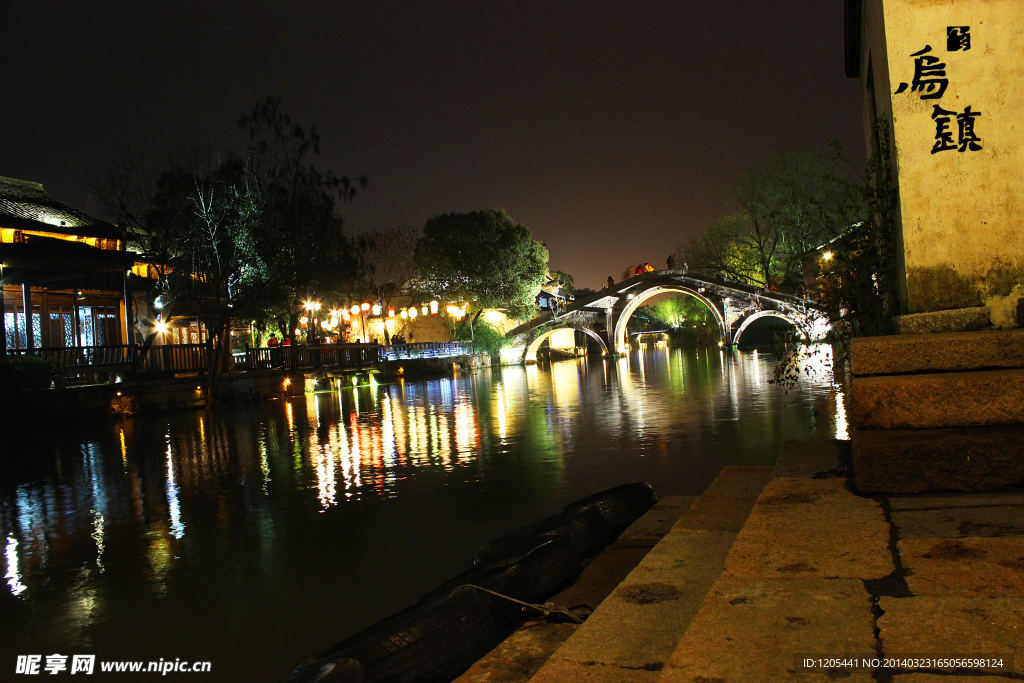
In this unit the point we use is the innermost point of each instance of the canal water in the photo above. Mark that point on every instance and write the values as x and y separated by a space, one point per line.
254 538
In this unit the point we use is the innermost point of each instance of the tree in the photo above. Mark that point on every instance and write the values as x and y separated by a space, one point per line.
388 262
794 202
484 258
300 237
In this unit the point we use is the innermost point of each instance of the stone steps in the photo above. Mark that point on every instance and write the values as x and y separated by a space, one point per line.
632 633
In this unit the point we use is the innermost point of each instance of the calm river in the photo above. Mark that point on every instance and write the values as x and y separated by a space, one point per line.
253 538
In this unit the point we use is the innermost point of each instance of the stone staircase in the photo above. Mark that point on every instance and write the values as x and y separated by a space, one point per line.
770 568
740 575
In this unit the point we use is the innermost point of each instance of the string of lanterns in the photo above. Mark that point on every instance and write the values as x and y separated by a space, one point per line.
432 308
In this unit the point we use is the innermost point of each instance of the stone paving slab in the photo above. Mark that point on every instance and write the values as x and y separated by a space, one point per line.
655 523
727 502
952 399
639 624
937 678
752 629
812 528
935 322
948 459
520 655
942 626
802 459
936 501
973 567
944 352
567 671
1001 520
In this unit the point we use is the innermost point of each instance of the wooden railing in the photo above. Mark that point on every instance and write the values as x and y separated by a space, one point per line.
177 358
174 358
347 355
83 356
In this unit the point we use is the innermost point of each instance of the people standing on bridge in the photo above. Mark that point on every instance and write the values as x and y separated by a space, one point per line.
639 269
611 282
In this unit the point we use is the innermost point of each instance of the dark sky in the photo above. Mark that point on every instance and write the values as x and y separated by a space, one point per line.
610 129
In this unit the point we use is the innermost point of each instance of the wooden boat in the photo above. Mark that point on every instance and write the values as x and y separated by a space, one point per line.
461 620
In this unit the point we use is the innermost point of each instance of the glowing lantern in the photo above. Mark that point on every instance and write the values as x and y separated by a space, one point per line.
404 314
412 312
433 307
376 309
365 306
355 309
391 312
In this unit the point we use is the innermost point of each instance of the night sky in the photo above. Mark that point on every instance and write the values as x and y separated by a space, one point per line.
610 129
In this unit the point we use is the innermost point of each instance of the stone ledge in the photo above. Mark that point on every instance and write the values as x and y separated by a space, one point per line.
727 502
754 629
958 399
927 460
952 626
945 352
955 320
814 529
965 567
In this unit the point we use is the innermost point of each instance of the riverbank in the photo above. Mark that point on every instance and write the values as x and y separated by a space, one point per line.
773 575
138 397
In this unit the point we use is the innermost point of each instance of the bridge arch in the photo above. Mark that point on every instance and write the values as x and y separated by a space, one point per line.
619 335
530 355
767 314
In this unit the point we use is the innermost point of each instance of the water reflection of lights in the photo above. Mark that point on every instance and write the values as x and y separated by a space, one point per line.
97 535
325 479
842 426
177 527
502 410
124 450
757 369
12 576
264 466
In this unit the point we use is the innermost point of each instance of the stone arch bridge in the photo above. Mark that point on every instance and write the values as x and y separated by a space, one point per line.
602 316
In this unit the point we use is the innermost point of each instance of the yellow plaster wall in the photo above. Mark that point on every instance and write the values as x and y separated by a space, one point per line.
961 212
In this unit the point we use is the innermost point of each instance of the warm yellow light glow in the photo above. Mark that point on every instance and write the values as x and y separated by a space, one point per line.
412 312
391 312
433 307
162 327
494 317
364 306
308 305
355 309
827 256
629 296
376 309
425 310
404 313
346 316
287 381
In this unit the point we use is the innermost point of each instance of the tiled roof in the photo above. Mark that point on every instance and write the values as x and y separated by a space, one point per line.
24 200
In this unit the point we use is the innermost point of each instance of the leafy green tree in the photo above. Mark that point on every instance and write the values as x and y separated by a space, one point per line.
484 258
300 236
794 202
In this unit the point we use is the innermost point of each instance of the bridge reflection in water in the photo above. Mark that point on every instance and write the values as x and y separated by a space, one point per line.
280 529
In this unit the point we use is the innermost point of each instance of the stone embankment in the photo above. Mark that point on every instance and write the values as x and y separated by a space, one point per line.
772 569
